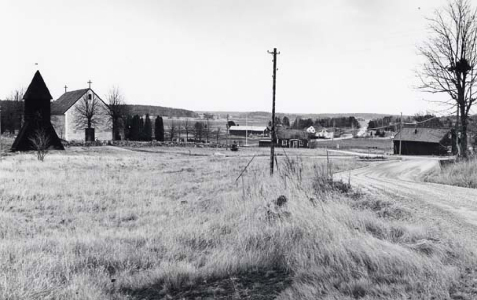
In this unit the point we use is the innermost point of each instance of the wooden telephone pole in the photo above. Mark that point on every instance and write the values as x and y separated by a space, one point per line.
273 136
400 135
1 133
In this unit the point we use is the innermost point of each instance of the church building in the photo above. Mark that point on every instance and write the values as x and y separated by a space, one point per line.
81 115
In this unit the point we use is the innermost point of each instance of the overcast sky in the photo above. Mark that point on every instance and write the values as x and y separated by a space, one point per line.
337 56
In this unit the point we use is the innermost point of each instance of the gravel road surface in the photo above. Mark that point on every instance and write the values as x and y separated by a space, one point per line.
451 208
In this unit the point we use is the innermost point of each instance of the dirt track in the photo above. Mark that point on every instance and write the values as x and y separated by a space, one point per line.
449 206
445 207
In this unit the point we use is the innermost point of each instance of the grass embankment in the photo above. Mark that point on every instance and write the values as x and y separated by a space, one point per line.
462 173
130 225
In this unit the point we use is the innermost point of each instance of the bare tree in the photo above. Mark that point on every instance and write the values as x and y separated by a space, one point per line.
179 127
117 110
87 112
40 142
208 117
187 128
450 59
172 130
218 134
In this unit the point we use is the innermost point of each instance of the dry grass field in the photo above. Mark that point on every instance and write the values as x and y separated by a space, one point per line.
111 223
463 173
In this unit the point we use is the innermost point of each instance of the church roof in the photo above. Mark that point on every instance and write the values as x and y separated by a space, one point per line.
66 100
37 88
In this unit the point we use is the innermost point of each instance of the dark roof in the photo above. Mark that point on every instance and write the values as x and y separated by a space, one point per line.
287 134
37 88
67 100
425 135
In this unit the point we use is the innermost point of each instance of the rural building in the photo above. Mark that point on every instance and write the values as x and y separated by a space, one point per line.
311 129
288 138
37 126
292 138
248 130
423 141
325 134
68 122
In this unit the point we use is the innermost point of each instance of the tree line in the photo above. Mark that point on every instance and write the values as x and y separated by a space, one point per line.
392 123
340 122
12 112
137 128
299 123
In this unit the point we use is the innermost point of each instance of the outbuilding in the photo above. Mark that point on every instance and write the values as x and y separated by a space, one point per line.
423 141
292 138
248 130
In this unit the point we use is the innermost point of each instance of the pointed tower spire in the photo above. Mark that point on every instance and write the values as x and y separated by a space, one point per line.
37 88
37 116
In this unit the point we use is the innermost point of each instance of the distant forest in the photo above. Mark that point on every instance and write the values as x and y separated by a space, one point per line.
392 123
152 110
339 122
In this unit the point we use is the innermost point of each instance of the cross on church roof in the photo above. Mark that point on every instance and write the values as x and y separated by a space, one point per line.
65 88
90 82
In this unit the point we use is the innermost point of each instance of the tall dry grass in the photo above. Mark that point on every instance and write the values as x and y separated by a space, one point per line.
462 173
113 224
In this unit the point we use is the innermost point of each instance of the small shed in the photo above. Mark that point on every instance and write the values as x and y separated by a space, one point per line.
423 141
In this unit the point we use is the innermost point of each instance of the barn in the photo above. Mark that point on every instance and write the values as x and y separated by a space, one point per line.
248 130
67 116
423 141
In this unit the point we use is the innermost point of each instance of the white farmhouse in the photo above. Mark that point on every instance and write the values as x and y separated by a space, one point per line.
68 122
311 129
325 134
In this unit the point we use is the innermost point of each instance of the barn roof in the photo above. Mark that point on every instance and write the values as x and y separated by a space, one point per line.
66 100
425 135
249 128
287 134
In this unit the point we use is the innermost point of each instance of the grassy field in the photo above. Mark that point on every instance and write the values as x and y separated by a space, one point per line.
6 143
463 173
368 144
161 223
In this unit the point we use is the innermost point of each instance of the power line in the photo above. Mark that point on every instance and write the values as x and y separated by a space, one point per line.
399 123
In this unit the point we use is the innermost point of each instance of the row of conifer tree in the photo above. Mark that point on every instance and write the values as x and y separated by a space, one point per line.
140 129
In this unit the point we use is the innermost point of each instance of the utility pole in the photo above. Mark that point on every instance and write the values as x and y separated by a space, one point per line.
1 148
227 126
400 135
273 138
457 149
246 129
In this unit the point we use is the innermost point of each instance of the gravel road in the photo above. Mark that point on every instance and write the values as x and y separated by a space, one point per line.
447 207
401 180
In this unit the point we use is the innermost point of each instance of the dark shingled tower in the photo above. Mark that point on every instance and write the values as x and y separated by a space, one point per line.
37 116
